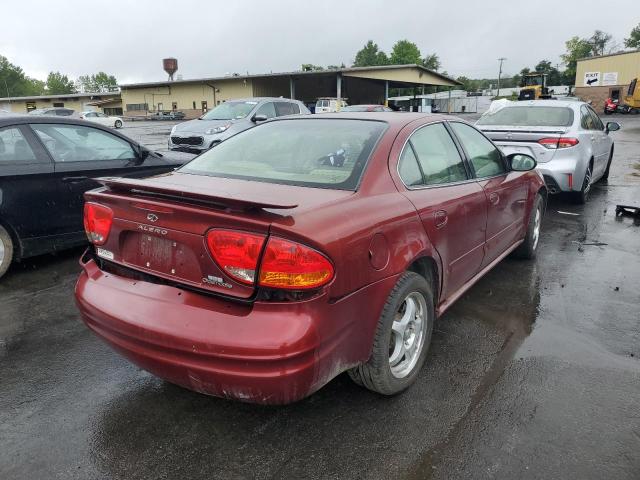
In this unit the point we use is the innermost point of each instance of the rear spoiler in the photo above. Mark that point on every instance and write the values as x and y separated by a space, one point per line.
183 192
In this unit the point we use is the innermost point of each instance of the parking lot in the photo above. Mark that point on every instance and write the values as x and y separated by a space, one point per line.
534 373
153 135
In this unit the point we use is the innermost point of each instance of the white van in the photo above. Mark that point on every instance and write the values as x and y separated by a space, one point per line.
330 104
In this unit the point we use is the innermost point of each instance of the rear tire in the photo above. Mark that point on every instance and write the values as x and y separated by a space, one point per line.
6 251
402 338
605 175
118 124
529 247
582 196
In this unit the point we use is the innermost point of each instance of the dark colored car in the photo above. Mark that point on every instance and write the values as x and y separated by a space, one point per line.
302 248
46 165
166 115
365 108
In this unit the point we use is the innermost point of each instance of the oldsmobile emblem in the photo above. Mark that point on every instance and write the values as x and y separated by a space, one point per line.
152 217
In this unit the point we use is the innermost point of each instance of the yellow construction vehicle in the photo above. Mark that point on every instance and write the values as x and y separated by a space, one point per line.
632 98
534 87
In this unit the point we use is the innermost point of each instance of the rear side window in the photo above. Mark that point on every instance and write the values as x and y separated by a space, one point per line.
437 155
306 152
408 169
529 116
14 147
285 108
586 120
75 143
596 119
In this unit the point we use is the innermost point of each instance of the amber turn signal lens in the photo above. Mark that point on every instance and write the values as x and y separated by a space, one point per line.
290 265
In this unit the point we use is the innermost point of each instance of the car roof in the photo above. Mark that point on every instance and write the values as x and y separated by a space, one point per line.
261 99
17 119
397 119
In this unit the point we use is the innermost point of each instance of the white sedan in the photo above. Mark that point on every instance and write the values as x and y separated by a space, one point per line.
102 119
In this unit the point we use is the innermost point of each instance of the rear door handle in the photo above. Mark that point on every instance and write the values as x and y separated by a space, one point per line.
494 198
441 218
74 179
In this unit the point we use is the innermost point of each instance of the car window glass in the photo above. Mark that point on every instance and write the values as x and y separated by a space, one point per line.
586 120
267 109
438 155
75 143
310 152
528 115
596 120
14 147
295 108
483 155
284 108
408 168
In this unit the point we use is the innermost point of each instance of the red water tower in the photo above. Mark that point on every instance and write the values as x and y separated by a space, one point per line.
170 66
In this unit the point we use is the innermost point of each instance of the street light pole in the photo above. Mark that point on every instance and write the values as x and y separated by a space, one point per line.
501 59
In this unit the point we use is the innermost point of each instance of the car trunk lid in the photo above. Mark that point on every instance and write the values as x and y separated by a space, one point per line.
512 139
160 224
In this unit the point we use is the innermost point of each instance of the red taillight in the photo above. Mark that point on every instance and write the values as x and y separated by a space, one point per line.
285 264
290 265
97 222
237 253
562 142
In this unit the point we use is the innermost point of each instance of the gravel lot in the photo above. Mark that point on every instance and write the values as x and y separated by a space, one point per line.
534 373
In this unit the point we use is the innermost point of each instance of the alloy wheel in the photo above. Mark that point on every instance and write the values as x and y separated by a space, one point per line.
408 334
587 181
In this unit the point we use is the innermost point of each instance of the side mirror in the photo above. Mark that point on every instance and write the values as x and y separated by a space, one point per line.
259 118
612 127
143 153
521 162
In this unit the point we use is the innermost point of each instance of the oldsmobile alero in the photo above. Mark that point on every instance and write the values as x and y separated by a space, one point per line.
302 248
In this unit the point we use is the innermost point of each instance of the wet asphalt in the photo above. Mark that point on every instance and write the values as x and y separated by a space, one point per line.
534 373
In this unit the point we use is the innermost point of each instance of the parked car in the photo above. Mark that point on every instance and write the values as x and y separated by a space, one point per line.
330 105
567 138
102 119
46 165
227 119
55 112
301 248
366 108
164 115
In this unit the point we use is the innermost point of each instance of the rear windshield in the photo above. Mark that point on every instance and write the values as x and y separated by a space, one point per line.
529 116
329 153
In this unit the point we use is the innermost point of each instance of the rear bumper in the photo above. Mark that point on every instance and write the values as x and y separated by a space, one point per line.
557 174
265 352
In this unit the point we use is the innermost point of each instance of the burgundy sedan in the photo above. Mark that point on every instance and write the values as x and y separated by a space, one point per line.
303 248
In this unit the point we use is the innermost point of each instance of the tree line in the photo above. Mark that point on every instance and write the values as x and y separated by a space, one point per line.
14 82
406 52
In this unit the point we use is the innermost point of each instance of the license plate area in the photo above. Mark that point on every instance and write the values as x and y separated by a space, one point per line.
160 254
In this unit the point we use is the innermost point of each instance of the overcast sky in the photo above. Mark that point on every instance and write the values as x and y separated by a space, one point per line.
210 38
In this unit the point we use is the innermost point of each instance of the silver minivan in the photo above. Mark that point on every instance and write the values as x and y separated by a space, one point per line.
567 138
227 119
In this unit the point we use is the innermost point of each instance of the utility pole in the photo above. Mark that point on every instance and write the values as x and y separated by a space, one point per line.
501 59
